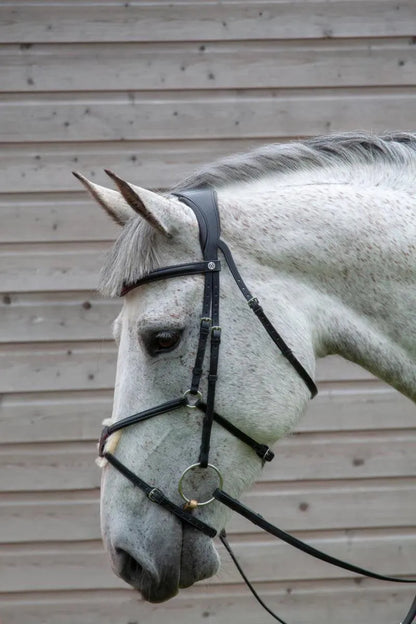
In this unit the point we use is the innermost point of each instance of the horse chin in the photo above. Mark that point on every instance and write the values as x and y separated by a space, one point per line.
199 559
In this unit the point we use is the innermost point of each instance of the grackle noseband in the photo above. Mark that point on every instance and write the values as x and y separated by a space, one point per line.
203 202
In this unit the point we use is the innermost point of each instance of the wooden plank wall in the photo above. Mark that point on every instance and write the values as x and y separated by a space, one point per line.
152 89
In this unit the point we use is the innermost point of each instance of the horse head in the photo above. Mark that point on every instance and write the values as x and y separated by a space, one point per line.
323 232
158 335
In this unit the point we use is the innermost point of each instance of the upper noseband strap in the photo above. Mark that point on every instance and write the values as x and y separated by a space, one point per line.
136 418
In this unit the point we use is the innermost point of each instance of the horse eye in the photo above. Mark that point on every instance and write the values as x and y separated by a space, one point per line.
164 341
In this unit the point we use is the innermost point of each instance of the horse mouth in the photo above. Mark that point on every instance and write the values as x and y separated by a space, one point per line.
160 579
148 582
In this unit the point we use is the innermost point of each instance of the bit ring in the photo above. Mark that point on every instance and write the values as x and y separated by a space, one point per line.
191 502
197 395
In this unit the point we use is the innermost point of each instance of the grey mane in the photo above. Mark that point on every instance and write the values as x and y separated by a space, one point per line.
135 251
325 151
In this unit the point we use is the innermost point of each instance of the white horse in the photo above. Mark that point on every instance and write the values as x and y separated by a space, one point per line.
324 233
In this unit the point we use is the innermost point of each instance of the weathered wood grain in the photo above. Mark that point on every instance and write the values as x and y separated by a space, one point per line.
194 21
66 566
332 456
326 506
358 406
54 416
46 168
50 217
37 317
200 115
54 467
342 600
299 506
216 65
49 268
61 366
68 466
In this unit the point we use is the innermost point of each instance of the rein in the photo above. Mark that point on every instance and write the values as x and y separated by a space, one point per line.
204 205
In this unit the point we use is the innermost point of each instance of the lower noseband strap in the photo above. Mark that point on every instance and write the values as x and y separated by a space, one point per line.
157 496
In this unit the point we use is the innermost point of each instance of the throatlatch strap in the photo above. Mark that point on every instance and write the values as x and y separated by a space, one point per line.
259 312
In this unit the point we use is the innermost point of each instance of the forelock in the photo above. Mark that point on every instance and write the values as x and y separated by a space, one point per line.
133 255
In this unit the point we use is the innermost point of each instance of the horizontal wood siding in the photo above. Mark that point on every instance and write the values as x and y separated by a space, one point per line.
164 20
262 114
151 66
363 603
152 90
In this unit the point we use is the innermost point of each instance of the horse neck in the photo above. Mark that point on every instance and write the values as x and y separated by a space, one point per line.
347 256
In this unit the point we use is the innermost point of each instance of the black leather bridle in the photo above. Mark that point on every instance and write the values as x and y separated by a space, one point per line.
204 205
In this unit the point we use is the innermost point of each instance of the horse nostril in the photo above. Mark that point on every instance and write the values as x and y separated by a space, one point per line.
130 569
138 576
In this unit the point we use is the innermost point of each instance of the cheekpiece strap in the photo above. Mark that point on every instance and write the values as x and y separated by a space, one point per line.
203 202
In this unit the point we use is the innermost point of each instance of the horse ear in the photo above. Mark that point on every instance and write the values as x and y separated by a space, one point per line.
150 206
112 201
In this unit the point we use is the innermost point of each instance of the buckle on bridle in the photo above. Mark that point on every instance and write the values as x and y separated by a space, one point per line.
268 455
155 495
205 325
252 302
